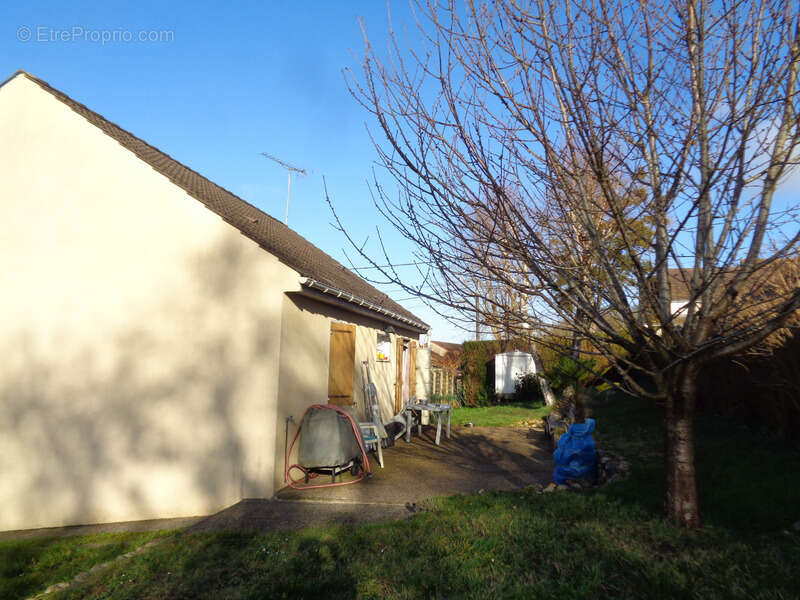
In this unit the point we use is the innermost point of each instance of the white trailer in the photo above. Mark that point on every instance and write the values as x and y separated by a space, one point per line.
508 368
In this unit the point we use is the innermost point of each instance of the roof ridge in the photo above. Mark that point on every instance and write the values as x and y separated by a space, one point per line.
13 75
278 239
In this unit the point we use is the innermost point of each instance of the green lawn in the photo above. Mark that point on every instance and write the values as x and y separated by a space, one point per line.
746 481
611 542
504 415
29 566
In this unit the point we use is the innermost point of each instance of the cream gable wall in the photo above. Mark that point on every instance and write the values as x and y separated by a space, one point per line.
139 333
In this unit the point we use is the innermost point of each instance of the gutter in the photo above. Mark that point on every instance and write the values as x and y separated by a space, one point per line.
331 294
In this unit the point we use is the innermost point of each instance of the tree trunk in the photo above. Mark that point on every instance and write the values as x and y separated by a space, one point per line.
547 393
576 336
681 506
576 346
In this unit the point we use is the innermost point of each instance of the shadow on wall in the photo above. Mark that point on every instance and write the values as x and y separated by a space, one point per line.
305 344
153 420
304 356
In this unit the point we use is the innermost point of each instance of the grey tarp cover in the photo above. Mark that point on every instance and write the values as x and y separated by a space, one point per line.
326 440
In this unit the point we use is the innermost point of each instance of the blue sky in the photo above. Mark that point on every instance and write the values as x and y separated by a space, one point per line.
230 81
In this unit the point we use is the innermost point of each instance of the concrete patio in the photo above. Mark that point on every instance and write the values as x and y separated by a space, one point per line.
474 458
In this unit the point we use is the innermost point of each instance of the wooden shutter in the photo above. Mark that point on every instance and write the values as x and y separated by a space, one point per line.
398 380
341 369
412 374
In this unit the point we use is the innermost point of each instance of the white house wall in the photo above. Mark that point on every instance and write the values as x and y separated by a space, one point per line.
679 309
140 333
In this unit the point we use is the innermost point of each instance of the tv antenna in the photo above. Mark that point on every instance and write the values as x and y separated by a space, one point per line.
289 169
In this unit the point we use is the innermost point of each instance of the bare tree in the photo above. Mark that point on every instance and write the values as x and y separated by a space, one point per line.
497 304
611 228
693 105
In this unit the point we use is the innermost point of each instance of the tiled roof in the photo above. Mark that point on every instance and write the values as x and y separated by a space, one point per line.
679 280
448 346
287 245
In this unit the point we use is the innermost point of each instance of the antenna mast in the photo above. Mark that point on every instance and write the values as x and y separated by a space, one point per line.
289 169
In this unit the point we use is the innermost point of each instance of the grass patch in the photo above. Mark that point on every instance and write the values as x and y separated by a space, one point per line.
495 545
29 566
610 542
746 481
501 415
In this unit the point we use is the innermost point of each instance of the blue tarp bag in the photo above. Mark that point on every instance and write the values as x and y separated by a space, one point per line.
575 456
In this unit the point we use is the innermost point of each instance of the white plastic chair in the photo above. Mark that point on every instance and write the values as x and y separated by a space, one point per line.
371 439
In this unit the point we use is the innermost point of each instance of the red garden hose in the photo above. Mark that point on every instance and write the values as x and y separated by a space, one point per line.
287 468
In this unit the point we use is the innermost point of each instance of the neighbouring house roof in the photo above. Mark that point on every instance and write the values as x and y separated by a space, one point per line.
447 346
314 265
443 354
678 282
